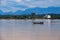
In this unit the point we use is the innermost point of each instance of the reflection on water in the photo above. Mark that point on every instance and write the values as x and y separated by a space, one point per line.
25 30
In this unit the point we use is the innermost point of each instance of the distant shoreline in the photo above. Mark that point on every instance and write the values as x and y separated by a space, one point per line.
31 16
22 19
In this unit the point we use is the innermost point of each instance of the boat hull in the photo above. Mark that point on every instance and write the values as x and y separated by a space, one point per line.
38 23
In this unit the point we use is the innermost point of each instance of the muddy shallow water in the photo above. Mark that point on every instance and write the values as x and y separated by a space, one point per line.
26 30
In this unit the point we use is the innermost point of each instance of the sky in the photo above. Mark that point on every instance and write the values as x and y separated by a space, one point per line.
13 5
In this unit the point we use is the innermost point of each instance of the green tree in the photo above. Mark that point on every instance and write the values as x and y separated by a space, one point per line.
33 15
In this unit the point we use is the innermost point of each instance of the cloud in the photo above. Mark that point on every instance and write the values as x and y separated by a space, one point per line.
17 0
23 4
3 2
28 0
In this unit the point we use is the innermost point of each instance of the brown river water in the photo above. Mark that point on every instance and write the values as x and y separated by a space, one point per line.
26 30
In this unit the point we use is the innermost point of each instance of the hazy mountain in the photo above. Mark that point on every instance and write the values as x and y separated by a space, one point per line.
1 12
19 12
55 10
37 10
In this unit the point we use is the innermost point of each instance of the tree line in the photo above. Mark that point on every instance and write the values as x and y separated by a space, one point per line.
30 16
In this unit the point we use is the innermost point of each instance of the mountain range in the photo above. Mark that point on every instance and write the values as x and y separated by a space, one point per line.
37 10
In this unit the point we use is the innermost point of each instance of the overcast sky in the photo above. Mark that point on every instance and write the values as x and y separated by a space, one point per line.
13 5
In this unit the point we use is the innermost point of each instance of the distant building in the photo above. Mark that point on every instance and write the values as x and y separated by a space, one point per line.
47 16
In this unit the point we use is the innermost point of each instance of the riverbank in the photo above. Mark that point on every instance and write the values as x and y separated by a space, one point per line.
32 16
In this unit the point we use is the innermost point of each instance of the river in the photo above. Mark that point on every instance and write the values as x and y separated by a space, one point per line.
25 30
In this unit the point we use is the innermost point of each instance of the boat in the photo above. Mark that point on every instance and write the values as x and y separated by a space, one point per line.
38 22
